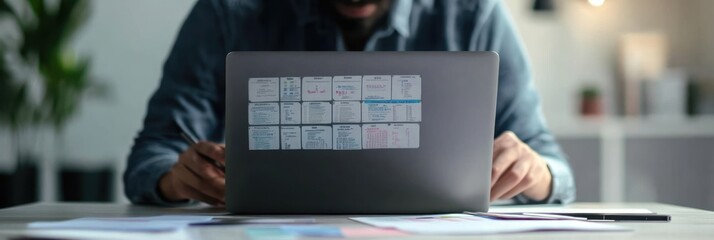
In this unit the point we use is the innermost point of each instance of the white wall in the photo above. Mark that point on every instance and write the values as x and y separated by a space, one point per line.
129 41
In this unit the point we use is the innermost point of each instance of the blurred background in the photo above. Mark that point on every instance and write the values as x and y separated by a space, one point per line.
627 86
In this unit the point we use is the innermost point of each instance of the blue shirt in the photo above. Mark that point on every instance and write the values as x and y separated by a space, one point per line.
192 90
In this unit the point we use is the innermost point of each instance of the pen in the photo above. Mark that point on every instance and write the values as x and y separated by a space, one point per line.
620 217
191 141
595 217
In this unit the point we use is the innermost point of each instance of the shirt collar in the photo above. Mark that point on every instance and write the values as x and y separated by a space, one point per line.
399 16
307 11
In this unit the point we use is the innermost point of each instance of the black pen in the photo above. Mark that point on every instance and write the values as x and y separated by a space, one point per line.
191 141
621 217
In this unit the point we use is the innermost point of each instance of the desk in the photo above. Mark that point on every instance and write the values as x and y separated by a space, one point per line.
687 223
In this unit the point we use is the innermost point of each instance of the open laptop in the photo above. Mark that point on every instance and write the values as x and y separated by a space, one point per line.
359 132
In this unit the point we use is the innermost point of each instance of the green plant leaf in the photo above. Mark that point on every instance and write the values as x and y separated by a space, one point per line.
71 15
5 8
66 77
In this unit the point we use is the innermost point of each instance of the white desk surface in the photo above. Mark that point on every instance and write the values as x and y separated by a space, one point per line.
687 223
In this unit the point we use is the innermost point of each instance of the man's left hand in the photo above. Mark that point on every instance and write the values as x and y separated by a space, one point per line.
518 169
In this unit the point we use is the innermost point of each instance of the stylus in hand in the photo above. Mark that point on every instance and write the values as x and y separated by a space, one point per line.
191 141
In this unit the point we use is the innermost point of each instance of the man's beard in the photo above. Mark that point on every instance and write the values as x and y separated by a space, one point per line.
349 24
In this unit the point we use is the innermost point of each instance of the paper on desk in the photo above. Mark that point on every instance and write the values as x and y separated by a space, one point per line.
157 223
289 232
568 210
463 224
102 235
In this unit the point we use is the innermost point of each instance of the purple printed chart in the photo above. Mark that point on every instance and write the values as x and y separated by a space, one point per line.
334 112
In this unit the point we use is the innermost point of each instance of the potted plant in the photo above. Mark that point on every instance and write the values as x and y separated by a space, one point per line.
42 82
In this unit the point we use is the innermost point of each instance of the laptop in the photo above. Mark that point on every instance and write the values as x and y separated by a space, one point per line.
359 132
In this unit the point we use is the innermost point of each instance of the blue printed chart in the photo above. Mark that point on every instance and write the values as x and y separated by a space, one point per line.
334 112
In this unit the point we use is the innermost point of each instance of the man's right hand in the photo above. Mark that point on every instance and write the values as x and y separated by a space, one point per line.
194 177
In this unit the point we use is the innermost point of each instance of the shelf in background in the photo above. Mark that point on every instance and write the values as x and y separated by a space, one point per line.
638 127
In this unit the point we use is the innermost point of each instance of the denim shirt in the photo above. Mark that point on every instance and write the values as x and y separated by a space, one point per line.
192 90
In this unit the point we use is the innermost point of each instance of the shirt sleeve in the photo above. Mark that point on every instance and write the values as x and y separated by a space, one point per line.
518 104
188 99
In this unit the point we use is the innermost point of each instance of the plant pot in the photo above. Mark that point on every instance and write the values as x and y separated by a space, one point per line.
20 186
86 185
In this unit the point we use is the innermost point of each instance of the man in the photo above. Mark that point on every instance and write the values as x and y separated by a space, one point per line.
528 165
